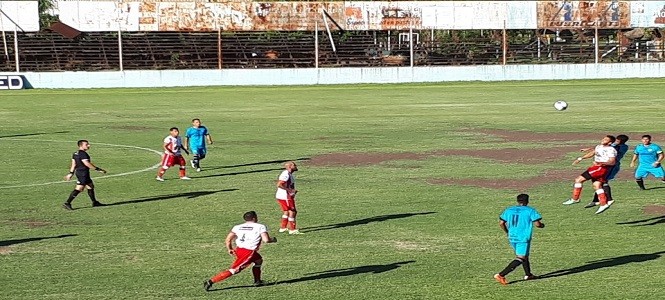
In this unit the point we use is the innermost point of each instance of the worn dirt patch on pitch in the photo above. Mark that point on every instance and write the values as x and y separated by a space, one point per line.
30 223
4 250
506 155
511 184
131 128
654 210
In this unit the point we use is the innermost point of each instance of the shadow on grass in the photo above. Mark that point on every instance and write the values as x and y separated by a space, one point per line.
363 221
258 163
21 241
656 188
240 173
603 263
30 134
188 195
371 269
653 221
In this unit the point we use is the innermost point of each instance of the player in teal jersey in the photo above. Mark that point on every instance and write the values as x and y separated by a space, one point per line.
517 221
196 137
650 156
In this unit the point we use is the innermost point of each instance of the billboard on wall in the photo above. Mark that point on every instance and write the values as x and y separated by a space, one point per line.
584 14
195 15
384 15
647 13
19 16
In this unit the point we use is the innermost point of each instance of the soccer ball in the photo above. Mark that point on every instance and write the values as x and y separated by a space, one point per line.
560 105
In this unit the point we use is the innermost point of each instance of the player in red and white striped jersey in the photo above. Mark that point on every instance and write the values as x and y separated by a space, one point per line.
248 237
172 155
286 197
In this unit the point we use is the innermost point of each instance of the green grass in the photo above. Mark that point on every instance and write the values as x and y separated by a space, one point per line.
397 236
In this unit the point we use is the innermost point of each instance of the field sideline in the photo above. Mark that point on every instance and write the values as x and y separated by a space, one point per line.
395 191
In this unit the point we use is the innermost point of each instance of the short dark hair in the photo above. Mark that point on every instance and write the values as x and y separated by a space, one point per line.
173 128
80 142
646 136
250 215
196 119
522 198
623 138
612 138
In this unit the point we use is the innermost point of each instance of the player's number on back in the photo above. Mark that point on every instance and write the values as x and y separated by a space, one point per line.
242 239
514 220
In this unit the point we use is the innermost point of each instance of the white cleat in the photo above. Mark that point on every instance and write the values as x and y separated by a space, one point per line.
295 232
185 178
159 178
603 208
198 169
192 162
609 203
283 230
571 201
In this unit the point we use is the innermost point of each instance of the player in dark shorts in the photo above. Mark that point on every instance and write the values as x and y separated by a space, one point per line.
81 166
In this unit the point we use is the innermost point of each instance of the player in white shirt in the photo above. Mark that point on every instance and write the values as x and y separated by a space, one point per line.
286 197
604 159
172 156
248 237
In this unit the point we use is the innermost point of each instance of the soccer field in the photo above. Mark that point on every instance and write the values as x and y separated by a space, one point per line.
400 189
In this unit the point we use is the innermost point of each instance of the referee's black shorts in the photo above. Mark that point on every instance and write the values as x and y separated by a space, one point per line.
83 178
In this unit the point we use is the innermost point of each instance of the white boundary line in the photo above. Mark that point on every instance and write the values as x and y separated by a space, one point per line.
63 181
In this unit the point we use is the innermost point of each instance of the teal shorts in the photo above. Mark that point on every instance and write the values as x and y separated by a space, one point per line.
521 249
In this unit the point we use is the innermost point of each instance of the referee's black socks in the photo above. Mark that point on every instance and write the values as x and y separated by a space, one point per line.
91 194
72 196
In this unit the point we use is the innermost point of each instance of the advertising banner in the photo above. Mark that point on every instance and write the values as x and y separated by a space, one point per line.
565 14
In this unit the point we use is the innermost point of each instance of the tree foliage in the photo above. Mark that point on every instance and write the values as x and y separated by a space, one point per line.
46 18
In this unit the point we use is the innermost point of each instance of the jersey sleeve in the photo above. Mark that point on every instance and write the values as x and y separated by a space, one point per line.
188 133
262 229
167 140
535 216
658 149
84 156
205 130
284 176
504 216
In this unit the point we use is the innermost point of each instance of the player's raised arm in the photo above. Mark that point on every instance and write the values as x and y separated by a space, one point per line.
585 156
265 237
229 242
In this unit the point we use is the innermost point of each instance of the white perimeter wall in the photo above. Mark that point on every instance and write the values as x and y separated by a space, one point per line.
169 78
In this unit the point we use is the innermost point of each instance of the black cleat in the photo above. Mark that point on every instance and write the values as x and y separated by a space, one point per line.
531 277
97 204
207 285
259 283
67 206
590 205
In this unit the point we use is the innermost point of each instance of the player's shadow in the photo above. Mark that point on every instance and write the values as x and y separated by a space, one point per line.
30 134
645 222
240 173
257 163
363 221
21 241
187 195
656 188
605 263
371 269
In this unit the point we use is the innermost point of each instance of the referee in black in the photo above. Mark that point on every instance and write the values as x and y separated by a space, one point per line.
81 166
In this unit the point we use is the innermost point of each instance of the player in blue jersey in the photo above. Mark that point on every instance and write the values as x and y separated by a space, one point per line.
650 156
622 148
517 221
195 139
